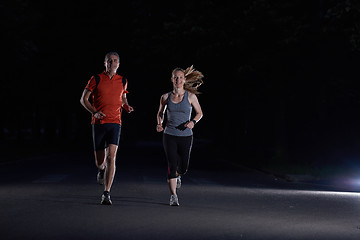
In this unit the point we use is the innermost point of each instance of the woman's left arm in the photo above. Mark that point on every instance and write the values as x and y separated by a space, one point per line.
196 105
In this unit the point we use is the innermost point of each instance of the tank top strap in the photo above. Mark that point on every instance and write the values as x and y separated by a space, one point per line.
186 97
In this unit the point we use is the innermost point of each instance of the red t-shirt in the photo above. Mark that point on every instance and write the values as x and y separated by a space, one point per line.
107 97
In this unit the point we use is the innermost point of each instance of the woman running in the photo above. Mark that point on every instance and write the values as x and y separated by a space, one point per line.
178 135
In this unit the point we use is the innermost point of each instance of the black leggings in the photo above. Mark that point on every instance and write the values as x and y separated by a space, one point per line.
177 151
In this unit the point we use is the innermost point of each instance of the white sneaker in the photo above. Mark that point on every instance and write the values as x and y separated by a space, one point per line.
174 201
178 182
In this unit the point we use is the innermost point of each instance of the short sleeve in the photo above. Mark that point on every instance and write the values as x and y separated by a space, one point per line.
91 85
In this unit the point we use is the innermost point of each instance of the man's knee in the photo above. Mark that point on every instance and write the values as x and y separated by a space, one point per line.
110 159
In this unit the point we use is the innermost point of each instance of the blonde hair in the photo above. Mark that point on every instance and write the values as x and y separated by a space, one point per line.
193 79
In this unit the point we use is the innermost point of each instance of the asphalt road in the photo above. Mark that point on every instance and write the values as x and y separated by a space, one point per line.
56 196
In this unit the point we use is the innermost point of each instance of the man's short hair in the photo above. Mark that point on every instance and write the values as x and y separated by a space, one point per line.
111 53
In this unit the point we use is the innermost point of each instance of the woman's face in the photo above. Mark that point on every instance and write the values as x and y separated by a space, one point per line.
178 79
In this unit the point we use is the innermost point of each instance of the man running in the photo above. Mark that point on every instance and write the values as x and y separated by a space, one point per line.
108 91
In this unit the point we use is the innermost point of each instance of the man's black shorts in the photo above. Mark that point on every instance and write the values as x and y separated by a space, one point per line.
105 134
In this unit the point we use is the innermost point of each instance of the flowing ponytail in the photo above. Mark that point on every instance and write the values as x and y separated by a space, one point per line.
193 79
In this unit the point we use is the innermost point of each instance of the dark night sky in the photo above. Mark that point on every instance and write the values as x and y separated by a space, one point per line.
281 77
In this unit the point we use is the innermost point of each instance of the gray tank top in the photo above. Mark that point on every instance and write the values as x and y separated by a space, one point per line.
177 115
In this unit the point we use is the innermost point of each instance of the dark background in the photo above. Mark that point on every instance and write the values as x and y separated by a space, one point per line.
281 77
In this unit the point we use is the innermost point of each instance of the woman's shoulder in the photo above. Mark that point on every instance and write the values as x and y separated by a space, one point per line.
191 95
164 97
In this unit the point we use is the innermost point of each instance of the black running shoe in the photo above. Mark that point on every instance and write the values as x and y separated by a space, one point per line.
100 176
105 199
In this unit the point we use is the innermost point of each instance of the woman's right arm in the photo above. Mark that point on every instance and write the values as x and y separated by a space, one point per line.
160 114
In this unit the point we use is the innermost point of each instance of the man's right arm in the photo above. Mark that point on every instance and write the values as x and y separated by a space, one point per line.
84 100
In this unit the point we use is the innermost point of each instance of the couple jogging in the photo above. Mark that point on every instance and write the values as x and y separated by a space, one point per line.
107 91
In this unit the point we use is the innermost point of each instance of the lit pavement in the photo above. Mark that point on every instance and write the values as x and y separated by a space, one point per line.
57 197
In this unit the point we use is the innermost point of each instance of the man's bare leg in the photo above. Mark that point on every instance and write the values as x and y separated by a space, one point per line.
110 166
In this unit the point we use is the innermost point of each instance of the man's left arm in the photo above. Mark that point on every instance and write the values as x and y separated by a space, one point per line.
126 105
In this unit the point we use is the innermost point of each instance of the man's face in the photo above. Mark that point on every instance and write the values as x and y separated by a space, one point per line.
112 63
